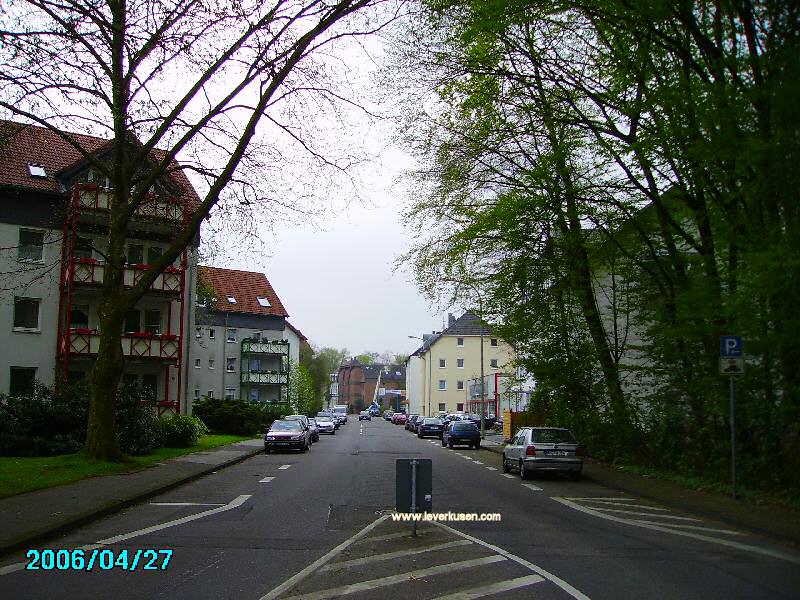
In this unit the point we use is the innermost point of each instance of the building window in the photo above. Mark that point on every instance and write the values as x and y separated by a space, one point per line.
230 393
231 335
135 254
264 302
254 395
230 365
231 299
31 245
150 385
442 407
255 364
459 341
132 321
211 333
493 342
154 253
83 247
26 314
442 384
79 316
459 385
37 170
460 363
460 407
256 337
493 363
152 321
196 363
197 394
442 363
22 381
210 394
210 363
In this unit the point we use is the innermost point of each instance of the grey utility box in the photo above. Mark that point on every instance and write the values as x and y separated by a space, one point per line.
405 469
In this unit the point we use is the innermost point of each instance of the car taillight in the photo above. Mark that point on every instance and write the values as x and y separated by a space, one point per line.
530 451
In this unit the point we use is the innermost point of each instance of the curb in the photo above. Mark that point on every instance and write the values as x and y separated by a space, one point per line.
74 523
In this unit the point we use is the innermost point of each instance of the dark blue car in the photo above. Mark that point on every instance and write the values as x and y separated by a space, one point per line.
461 432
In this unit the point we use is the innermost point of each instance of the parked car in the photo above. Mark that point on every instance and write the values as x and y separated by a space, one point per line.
326 424
399 418
312 424
387 414
304 420
410 421
432 426
287 435
487 420
374 411
340 410
364 415
536 449
461 432
415 425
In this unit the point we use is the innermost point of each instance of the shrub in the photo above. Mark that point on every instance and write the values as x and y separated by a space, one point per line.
180 431
234 417
136 420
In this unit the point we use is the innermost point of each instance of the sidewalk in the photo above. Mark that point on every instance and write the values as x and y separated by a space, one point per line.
41 514
769 520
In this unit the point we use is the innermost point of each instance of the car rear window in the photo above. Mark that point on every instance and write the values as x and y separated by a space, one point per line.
432 422
460 426
285 426
553 436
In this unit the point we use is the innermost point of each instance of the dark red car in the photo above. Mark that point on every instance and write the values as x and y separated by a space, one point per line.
399 418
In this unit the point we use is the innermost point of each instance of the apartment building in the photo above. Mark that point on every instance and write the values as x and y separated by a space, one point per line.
242 343
438 372
53 225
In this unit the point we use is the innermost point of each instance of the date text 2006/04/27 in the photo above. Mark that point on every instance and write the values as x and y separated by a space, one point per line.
146 559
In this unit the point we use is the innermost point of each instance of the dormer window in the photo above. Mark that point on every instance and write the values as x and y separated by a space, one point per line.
264 302
231 300
37 170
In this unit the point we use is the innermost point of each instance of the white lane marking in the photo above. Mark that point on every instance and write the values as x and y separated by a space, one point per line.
493 588
371 584
186 504
266 480
477 462
284 467
628 504
645 514
793 558
509 475
300 575
235 503
492 468
575 593
389 536
598 498
531 487
390 555
695 527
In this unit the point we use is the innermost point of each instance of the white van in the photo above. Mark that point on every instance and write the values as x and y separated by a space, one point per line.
340 411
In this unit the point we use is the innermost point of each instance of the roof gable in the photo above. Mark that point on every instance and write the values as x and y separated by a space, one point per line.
245 288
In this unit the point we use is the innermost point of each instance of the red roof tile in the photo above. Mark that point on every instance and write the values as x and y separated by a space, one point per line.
21 145
245 287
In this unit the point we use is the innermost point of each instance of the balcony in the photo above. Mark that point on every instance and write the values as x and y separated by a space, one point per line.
90 271
154 208
264 377
251 346
142 345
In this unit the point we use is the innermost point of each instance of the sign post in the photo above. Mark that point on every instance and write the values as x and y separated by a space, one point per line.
731 363
413 487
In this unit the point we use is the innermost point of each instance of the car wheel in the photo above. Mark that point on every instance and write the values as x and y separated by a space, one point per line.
419 435
333 432
306 447
523 474
477 445
504 467
267 450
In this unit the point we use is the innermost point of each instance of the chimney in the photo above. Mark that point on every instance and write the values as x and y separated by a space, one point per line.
450 319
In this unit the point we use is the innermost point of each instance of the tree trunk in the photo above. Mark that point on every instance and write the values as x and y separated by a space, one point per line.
101 435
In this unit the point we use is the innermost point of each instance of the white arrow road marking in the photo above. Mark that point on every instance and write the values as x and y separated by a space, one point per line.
793 558
266 480
235 503
186 504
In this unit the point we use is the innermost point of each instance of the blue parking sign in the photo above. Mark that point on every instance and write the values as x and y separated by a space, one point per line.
730 346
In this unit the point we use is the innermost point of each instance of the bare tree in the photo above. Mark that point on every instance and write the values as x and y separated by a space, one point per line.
209 83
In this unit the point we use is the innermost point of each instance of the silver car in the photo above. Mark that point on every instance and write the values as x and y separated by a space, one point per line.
325 424
536 449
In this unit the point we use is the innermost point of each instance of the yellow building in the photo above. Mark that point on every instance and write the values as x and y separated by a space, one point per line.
438 372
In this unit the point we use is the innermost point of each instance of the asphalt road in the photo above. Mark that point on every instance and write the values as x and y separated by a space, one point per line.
315 525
